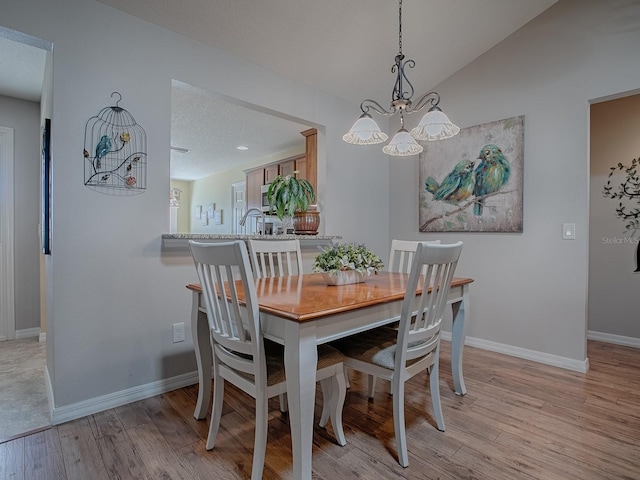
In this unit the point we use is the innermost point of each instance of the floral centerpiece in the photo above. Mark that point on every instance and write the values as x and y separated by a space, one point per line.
345 263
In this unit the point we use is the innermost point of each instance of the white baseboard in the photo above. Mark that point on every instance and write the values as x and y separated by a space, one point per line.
42 337
94 405
617 339
28 332
540 357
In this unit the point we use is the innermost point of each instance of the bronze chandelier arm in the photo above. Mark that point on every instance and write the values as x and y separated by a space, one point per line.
431 98
368 104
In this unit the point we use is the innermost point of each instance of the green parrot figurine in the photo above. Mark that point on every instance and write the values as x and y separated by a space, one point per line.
492 173
458 185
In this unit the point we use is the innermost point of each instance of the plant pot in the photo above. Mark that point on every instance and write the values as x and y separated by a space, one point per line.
306 223
345 277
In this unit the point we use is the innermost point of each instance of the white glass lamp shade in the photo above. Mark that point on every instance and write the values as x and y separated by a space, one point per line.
435 125
402 145
365 132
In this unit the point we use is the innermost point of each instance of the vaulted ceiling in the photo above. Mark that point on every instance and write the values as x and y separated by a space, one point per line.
345 48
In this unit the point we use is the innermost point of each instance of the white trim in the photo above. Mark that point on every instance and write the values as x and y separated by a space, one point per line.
611 338
47 385
94 405
28 333
7 299
42 337
540 357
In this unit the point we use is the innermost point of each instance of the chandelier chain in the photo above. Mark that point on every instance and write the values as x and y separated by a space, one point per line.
400 26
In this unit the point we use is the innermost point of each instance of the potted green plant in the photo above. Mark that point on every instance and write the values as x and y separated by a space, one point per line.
345 263
291 197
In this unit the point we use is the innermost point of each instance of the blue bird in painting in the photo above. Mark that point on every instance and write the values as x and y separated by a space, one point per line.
458 185
492 173
103 147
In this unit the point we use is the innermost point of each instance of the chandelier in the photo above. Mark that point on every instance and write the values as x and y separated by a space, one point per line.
435 125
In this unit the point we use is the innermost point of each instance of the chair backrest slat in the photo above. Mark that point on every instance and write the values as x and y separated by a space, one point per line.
421 318
401 254
275 258
235 328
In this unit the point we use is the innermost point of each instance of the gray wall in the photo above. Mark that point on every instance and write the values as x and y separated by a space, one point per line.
24 117
112 293
530 293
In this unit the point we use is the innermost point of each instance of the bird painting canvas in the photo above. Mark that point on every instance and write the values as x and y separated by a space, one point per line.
473 182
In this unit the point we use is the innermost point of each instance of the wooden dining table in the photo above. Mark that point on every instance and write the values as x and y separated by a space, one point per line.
301 312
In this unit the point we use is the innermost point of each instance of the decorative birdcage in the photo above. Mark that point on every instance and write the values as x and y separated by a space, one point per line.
115 150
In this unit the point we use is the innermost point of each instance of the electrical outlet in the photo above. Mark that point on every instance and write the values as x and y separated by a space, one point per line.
178 332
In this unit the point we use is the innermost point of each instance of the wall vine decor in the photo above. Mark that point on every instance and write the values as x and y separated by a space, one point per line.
627 194
115 150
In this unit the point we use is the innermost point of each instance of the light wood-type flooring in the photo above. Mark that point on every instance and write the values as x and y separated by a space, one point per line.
519 420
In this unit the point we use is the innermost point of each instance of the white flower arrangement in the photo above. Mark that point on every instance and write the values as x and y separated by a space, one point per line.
341 257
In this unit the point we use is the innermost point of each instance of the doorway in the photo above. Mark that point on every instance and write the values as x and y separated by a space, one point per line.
7 309
614 229
24 79
238 206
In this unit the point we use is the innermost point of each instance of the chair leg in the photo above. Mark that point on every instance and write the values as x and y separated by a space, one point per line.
346 377
284 406
434 382
260 441
398 422
338 394
372 385
327 394
216 411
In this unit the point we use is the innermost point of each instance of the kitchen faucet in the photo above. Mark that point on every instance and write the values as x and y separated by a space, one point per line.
243 220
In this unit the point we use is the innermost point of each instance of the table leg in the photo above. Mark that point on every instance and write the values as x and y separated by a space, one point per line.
204 356
300 362
460 309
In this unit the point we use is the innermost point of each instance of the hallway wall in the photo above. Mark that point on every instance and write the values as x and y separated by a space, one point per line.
24 117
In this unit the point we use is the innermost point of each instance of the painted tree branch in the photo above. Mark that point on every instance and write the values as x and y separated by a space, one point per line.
461 208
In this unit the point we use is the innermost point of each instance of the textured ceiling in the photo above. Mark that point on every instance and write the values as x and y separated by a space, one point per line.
21 70
212 127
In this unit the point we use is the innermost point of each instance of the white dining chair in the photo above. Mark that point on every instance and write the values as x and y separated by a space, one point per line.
275 258
401 256
240 353
398 354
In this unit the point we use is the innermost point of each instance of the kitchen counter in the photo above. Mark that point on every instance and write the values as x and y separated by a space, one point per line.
173 241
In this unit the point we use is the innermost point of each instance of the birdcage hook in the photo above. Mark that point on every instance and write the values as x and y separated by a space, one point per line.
117 93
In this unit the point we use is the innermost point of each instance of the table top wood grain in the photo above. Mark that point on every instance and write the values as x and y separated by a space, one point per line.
307 297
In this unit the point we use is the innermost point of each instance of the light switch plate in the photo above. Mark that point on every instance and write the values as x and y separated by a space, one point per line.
568 231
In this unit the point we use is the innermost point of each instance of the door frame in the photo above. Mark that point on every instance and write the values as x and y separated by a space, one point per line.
7 298
238 206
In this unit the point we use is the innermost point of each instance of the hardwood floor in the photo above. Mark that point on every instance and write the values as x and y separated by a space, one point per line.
519 420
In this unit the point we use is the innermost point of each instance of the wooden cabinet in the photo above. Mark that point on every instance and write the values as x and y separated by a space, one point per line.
311 157
255 180
306 164
301 166
270 173
286 168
